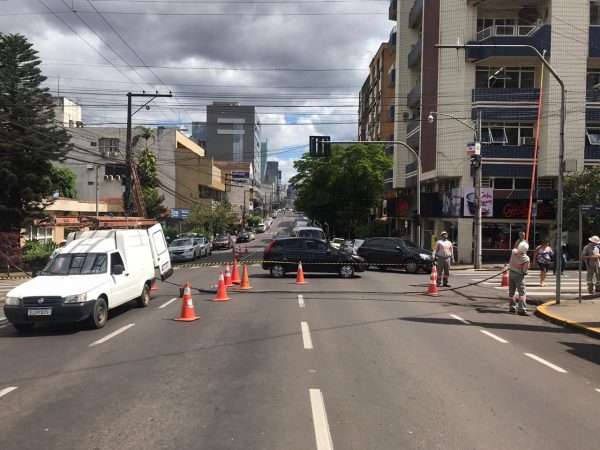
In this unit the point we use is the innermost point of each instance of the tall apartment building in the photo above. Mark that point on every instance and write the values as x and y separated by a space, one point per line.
231 133
376 110
502 86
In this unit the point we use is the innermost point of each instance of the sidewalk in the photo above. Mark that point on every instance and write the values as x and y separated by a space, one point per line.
584 316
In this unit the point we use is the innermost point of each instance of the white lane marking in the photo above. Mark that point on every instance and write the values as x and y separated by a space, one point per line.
7 390
549 364
306 336
493 336
301 301
322 434
112 335
466 322
164 305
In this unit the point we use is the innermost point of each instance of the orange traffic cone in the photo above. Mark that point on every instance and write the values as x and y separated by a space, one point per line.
227 276
221 290
504 283
300 274
154 287
433 289
235 275
187 307
245 282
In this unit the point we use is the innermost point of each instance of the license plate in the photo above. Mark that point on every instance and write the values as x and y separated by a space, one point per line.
39 312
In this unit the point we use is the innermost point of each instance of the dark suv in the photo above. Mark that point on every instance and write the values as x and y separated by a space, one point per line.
388 251
282 256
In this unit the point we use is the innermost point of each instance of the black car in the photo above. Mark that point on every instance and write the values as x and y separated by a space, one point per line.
384 252
244 236
281 256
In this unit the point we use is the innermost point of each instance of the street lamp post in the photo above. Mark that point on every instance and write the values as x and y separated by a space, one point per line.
417 156
476 181
561 155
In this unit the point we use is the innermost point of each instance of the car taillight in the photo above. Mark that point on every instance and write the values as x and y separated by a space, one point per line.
269 246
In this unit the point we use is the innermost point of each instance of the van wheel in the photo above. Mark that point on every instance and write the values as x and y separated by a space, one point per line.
347 271
23 327
277 271
99 315
144 299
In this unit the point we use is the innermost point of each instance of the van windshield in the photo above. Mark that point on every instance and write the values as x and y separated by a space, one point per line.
76 264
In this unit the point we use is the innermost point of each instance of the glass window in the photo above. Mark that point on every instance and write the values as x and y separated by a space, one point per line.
115 260
485 136
495 236
498 135
593 136
527 80
595 13
316 246
481 78
592 78
76 264
503 183
108 146
294 244
512 135
238 144
523 183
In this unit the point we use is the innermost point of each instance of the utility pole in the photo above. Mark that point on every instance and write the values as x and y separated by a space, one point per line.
477 166
130 165
97 190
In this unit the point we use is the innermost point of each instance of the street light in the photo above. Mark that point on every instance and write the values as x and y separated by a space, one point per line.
477 182
561 155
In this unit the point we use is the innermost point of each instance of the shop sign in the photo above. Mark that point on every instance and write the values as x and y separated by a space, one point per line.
487 202
519 209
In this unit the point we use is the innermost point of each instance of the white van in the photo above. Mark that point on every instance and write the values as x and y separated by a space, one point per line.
309 232
96 271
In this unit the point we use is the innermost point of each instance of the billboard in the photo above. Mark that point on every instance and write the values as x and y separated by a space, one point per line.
240 177
487 202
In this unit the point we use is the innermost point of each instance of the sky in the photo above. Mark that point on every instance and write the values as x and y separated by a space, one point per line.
301 62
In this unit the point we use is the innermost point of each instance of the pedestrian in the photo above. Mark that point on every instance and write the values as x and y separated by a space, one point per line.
591 256
543 256
519 266
59 249
443 255
563 260
521 239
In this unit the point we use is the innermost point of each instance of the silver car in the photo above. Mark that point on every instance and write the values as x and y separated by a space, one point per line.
183 249
205 246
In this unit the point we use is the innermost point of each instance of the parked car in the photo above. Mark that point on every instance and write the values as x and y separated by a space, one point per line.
205 246
222 241
281 256
337 243
312 232
386 251
261 228
274 215
182 249
244 236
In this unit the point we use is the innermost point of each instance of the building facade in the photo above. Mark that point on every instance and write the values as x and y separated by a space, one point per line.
232 133
502 87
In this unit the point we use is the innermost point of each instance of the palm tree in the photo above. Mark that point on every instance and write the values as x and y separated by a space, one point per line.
146 134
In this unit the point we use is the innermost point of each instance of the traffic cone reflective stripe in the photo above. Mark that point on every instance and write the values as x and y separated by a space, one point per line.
235 275
228 281
433 288
300 274
504 283
154 287
187 306
221 290
245 285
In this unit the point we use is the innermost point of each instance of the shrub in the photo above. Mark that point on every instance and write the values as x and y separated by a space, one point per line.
37 253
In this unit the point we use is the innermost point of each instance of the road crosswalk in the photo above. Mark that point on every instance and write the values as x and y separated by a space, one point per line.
7 285
569 283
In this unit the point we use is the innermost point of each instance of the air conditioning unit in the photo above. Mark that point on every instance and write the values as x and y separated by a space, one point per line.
108 177
90 167
527 141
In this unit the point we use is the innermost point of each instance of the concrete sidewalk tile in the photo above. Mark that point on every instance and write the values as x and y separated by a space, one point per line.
583 316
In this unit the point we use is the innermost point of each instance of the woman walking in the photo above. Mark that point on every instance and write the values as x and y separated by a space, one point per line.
544 255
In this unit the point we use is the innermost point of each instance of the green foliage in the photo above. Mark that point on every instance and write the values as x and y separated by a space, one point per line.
170 233
148 173
341 189
154 203
29 138
219 219
582 188
376 228
254 221
64 181
37 253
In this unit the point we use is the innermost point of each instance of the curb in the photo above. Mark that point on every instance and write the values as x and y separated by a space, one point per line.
543 313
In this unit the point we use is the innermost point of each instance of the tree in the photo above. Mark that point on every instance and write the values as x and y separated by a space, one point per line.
29 138
148 173
341 189
582 188
64 181
218 219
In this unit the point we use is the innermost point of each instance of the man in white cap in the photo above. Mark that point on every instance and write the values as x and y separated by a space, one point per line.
59 249
591 256
518 267
443 255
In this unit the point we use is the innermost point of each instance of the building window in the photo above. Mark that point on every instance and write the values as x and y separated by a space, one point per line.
508 134
595 12
108 146
208 192
523 183
505 77
116 170
503 183
238 144
593 136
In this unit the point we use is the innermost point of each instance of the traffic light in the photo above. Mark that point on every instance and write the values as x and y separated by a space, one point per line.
475 161
319 146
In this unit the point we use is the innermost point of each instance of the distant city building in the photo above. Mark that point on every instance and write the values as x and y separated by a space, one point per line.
264 150
67 113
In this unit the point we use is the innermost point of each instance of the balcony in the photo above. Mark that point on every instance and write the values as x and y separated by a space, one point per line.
392 40
502 112
413 132
416 13
594 50
498 95
414 57
411 174
393 10
507 151
538 37
413 99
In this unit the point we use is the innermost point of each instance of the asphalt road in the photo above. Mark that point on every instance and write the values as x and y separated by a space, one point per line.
365 363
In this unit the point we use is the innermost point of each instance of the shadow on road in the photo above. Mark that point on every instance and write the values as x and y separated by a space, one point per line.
589 352
487 325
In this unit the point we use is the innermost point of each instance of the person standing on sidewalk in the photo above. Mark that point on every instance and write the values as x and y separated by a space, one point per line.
591 256
543 256
444 255
519 266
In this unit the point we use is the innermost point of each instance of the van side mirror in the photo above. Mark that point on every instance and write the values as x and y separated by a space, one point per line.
118 269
